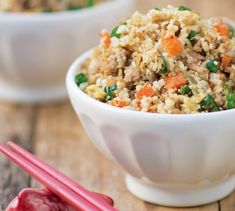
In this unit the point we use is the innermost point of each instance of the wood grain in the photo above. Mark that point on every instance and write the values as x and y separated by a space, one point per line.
16 123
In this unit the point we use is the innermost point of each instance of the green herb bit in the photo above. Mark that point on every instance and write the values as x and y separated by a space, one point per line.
156 8
74 7
163 69
192 36
184 8
209 104
80 78
90 3
185 90
114 32
231 30
109 89
213 66
230 100
109 96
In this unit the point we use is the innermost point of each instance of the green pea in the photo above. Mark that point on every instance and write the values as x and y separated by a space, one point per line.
192 36
212 66
230 100
208 104
80 78
163 69
184 8
185 90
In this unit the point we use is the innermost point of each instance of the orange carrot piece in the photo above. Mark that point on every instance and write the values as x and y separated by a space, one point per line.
175 81
222 29
107 39
171 45
118 103
146 90
226 61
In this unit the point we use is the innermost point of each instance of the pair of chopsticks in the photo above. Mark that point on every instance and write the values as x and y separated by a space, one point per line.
61 185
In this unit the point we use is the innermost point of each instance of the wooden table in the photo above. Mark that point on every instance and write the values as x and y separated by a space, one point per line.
54 134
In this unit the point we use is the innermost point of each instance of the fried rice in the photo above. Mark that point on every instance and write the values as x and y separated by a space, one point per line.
169 60
44 5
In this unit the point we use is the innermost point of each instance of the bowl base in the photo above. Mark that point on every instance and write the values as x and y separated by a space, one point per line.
19 94
180 198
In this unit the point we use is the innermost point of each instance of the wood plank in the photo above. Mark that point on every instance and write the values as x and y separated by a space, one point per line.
16 123
61 141
228 204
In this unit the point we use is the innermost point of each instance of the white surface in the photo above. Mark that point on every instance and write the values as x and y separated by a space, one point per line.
37 49
171 151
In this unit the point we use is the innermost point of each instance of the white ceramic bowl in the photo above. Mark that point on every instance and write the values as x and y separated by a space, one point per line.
174 160
37 49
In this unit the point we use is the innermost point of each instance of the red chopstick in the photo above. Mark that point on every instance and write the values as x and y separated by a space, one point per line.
94 199
61 190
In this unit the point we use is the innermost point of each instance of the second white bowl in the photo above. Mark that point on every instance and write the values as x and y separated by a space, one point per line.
37 49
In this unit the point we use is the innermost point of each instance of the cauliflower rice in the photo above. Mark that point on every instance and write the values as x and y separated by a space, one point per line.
43 5
167 61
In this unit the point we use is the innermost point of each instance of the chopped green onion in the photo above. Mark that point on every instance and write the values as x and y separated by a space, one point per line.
114 32
74 7
231 30
156 8
213 66
184 8
209 104
163 69
230 100
109 96
90 3
109 92
185 90
80 78
192 36
112 88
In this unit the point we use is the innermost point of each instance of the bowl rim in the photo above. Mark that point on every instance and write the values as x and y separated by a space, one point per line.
73 89
84 12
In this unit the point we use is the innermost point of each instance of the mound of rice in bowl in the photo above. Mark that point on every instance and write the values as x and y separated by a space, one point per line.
167 61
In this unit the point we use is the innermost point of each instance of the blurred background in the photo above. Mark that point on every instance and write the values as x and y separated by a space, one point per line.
207 8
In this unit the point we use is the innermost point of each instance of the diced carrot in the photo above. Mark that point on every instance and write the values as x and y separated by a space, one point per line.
106 38
118 103
175 81
226 61
222 29
171 45
146 90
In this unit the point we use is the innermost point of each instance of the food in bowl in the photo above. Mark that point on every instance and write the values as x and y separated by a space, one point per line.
44 6
167 61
